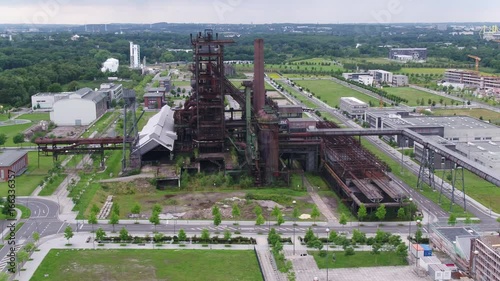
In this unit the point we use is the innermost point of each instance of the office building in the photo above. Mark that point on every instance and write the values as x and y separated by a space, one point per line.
485 258
353 107
381 76
400 80
471 79
135 55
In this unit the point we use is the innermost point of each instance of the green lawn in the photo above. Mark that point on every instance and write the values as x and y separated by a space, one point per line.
11 131
27 182
412 95
474 112
35 117
144 119
149 265
102 123
50 187
359 259
331 92
180 84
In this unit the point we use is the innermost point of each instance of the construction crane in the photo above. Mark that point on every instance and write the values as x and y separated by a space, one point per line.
478 59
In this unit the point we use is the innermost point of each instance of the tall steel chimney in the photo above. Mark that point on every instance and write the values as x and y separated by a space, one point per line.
259 90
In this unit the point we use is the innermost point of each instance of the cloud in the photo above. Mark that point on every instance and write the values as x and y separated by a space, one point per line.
246 11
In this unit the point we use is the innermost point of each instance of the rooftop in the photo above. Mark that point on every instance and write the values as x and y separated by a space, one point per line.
9 157
95 96
301 120
52 94
153 95
492 241
451 233
449 122
353 101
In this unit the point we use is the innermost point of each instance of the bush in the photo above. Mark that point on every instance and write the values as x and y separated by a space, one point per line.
349 251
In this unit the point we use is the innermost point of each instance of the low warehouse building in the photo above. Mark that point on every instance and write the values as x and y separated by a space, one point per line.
13 160
80 108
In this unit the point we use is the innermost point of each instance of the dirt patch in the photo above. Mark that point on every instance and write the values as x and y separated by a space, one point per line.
67 131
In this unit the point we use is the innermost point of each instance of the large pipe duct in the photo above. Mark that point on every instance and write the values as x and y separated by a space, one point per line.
259 89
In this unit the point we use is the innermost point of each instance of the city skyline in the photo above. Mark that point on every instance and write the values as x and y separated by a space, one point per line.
245 12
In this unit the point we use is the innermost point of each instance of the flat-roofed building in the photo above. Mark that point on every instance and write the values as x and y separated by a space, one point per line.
45 101
114 91
353 107
486 153
382 76
471 79
400 80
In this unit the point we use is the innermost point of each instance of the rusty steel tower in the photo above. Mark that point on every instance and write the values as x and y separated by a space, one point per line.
208 91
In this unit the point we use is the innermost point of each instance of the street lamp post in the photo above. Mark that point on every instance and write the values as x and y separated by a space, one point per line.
294 219
409 226
418 225
327 236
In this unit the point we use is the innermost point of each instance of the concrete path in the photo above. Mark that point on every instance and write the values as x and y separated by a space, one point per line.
323 208
267 262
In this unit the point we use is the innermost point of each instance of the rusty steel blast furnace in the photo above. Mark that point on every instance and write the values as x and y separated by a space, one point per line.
243 131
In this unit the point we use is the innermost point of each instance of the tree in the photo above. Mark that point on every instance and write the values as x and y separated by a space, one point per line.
68 233
362 213
136 210
92 220
29 247
402 251
295 214
260 220
315 214
205 235
22 256
100 234
72 86
215 210
309 235
468 219
3 139
401 213
381 212
95 209
157 208
4 276
343 219
18 139
124 234
36 237
55 88
158 237
257 210
114 219
182 235
155 219
217 219
235 212
227 234
452 220
116 209
358 236
418 234
276 211
280 220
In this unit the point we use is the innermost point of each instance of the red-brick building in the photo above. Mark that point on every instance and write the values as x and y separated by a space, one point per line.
154 100
12 160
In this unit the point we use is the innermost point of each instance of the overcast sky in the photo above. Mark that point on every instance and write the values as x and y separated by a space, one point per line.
247 11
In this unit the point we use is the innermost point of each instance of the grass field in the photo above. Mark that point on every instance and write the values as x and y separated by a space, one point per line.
178 83
473 112
144 119
331 92
149 265
27 182
367 60
412 95
11 131
35 117
360 259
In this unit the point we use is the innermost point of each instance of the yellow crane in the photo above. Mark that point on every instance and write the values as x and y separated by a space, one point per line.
478 59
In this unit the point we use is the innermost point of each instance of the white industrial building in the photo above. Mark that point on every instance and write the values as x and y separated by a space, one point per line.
135 55
157 136
365 80
80 108
486 153
45 101
353 107
110 65
382 76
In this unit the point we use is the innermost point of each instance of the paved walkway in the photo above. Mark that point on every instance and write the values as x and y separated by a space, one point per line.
323 208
